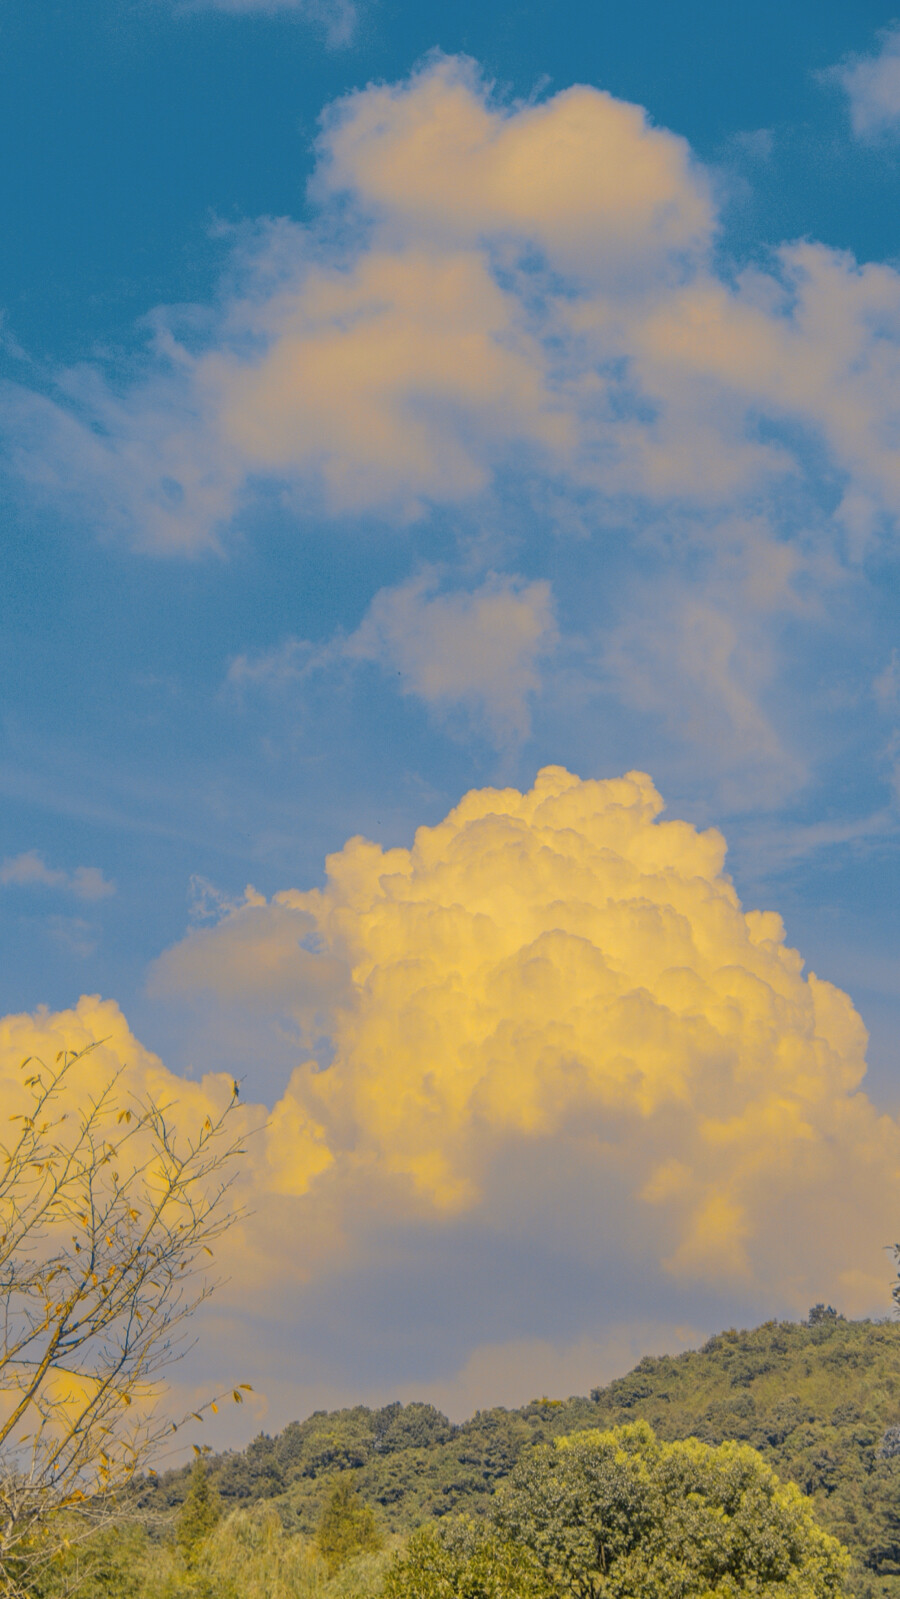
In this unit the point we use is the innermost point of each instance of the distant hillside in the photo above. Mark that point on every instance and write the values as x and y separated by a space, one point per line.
818 1399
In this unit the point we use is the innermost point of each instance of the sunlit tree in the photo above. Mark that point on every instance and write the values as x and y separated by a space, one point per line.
623 1513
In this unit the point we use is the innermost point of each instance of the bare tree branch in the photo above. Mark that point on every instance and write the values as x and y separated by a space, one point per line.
107 1222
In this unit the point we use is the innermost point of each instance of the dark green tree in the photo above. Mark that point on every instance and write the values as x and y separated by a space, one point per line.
346 1526
200 1512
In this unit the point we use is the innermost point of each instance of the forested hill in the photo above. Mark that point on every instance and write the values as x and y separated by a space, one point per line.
818 1399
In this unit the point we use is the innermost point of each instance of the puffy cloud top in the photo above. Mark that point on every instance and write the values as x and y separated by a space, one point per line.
551 1018
561 968
489 289
584 174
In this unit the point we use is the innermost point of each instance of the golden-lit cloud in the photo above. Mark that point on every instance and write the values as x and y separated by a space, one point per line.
562 977
556 1038
98 1025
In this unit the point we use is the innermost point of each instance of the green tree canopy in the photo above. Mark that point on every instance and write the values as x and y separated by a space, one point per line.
622 1515
464 1559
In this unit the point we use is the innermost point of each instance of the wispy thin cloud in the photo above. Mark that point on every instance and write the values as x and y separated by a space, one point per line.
479 650
471 650
337 19
30 870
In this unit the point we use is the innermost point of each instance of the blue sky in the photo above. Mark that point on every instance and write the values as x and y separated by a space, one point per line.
381 419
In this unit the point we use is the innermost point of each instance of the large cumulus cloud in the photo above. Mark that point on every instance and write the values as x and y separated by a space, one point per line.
556 1018
577 1102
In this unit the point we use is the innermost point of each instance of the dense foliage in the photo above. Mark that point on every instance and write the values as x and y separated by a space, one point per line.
347 1527
459 1558
246 1555
819 1400
621 1515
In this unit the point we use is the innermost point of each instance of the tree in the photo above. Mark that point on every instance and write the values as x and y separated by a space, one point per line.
621 1514
465 1559
346 1527
107 1216
200 1511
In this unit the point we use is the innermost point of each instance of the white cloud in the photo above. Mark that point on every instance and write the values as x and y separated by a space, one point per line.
756 143
476 650
586 177
74 934
702 656
525 289
30 870
337 18
257 957
277 669
872 86
696 666
524 1369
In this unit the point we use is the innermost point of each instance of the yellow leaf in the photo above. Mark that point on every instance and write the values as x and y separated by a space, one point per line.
237 1396
247 1387
214 1408
196 1450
